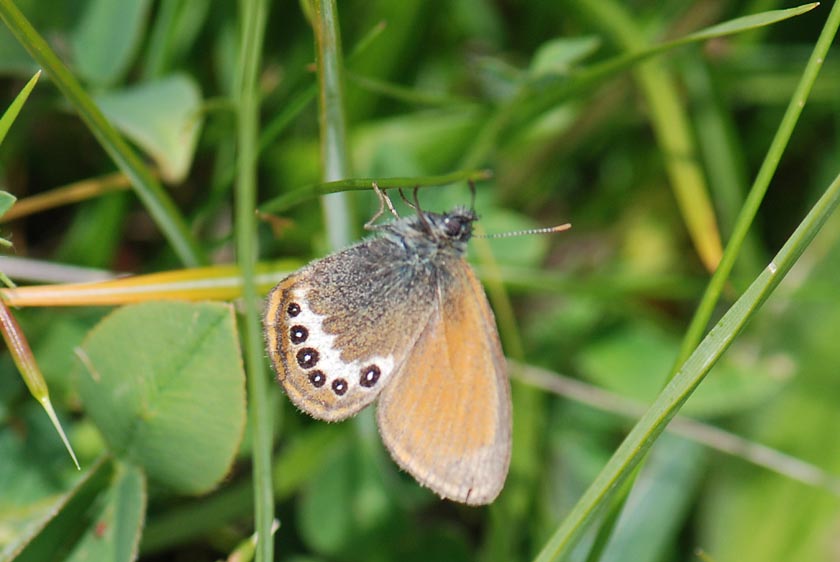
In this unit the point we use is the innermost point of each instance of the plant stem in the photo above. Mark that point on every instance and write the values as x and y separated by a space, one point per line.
335 163
253 18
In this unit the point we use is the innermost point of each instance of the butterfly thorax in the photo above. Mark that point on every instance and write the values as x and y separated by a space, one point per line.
433 235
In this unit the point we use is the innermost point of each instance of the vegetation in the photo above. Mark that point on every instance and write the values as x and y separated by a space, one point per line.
209 149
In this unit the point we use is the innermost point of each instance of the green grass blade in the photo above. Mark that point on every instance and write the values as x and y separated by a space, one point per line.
253 21
633 449
12 112
760 185
288 200
335 160
148 189
749 210
747 23
297 104
598 72
528 105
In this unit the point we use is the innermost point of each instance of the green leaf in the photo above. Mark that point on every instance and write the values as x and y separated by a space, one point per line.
751 21
82 242
62 521
12 112
114 532
163 117
107 38
35 478
559 55
6 202
101 518
164 384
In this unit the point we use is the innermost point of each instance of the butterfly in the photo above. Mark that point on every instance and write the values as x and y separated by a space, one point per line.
401 318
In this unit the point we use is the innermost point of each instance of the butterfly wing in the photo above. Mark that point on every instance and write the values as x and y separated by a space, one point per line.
446 415
338 328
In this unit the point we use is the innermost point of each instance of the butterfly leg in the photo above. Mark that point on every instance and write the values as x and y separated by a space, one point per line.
383 200
405 199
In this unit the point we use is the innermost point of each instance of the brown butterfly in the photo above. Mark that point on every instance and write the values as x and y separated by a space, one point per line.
402 317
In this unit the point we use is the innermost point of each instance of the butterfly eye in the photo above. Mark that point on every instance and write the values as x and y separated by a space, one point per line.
453 227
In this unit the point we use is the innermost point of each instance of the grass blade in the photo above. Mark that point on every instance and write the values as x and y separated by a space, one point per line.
12 112
252 28
760 185
335 159
634 447
148 189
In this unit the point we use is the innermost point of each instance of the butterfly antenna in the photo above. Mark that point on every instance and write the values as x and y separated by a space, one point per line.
472 195
420 212
546 230
383 201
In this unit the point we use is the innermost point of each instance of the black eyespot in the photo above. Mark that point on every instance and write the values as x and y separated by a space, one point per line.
370 375
293 309
317 378
339 386
298 334
307 357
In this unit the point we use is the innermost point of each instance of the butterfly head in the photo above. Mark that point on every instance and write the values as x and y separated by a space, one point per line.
444 232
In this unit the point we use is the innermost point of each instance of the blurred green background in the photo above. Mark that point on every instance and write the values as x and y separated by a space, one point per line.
650 163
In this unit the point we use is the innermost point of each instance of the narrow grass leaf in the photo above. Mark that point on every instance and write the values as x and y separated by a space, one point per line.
746 23
252 24
644 433
288 200
14 108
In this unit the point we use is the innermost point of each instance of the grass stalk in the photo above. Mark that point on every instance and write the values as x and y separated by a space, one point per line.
253 21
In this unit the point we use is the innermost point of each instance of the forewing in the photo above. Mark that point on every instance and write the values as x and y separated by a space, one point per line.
446 415
337 329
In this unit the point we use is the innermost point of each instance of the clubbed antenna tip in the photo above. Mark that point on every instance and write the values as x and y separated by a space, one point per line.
546 230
